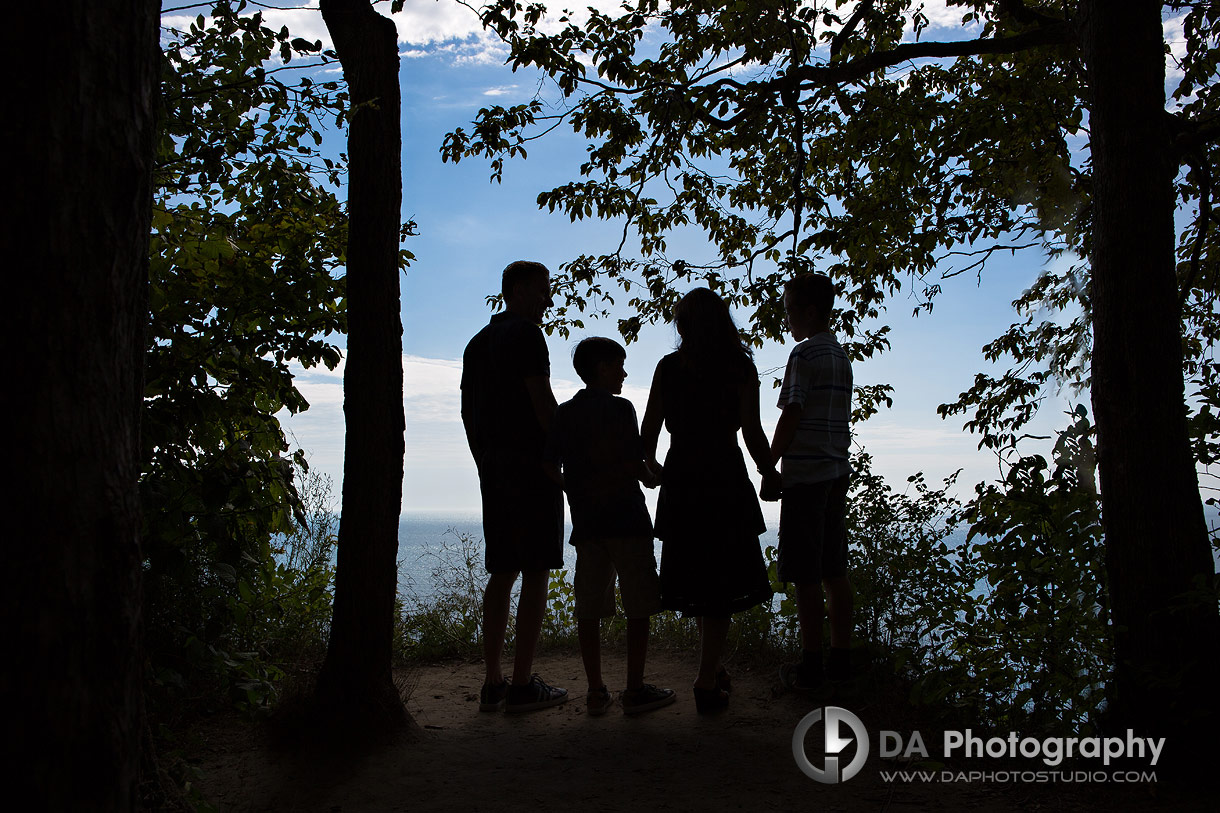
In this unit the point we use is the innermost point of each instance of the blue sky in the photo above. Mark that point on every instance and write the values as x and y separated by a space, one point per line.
470 228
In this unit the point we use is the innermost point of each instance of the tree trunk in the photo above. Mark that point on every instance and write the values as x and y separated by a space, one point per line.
82 125
1156 537
356 681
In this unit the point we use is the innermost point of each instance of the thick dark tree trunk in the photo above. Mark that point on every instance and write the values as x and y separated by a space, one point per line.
1156 536
82 126
356 681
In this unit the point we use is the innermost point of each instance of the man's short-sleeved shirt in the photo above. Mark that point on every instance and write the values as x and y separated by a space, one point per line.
595 438
818 377
496 405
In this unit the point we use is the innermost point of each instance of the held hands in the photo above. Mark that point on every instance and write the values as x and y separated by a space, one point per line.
772 486
655 471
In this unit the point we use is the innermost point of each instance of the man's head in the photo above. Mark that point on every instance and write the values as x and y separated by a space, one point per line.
599 363
526 286
808 299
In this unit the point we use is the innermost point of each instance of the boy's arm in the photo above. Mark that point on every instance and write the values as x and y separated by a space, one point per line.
785 430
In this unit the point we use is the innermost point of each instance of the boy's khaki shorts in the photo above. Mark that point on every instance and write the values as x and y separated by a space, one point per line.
597 562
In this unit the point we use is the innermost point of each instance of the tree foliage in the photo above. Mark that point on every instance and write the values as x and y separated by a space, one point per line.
245 279
833 136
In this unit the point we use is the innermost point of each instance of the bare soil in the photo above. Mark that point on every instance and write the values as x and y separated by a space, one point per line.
672 759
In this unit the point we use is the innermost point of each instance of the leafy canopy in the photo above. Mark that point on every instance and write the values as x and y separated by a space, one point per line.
834 136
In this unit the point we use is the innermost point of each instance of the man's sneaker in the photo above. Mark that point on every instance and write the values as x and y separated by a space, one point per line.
646 698
491 698
534 695
792 677
597 701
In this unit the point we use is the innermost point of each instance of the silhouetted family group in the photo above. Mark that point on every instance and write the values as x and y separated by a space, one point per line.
530 451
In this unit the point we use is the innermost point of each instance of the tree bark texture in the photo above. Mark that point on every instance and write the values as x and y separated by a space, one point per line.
1156 537
82 126
356 680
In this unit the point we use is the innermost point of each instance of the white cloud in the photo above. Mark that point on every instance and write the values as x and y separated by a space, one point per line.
1175 37
502 90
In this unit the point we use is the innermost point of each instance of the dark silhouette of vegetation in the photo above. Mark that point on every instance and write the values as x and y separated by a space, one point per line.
245 278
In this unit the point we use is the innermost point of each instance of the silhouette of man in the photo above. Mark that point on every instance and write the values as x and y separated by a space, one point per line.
507 406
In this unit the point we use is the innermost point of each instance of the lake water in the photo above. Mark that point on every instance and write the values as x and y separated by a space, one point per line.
423 536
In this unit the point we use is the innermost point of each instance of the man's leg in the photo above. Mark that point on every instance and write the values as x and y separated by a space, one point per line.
531 607
497 599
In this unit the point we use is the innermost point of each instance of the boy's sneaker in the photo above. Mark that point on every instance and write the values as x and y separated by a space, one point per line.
793 677
491 698
534 695
646 698
597 701
838 665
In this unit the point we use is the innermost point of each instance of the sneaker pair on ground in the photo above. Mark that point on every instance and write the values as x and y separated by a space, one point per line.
536 694
635 701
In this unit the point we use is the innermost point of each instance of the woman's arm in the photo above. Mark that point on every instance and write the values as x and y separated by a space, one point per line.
751 428
654 416
756 440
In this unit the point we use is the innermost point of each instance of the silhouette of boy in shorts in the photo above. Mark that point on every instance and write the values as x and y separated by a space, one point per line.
595 440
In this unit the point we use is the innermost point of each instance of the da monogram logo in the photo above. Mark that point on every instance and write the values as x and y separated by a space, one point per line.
834 717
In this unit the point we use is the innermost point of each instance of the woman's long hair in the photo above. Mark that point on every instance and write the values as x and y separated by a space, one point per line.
706 330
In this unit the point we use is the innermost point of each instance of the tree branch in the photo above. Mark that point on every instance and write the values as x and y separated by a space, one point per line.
815 77
818 76
840 38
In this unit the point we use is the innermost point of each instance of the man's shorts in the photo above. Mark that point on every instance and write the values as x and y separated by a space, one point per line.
812 531
522 519
632 558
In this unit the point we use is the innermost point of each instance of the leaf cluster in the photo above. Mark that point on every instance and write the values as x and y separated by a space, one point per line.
245 279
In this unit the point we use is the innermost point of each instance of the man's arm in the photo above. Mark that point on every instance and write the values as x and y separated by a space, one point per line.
542 399
468 420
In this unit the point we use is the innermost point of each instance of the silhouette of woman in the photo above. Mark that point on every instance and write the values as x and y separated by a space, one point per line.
708 516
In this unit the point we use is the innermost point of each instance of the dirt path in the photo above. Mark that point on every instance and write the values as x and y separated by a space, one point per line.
561 759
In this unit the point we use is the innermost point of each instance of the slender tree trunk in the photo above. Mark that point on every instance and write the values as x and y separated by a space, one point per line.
1156 538
82 125
356 680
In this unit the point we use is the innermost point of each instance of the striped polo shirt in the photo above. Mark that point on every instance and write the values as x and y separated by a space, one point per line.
818 377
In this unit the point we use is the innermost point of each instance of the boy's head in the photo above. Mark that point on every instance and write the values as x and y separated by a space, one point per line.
599 363
526 286
808 299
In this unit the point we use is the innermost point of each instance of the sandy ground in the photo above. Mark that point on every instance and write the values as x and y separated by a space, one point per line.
458 759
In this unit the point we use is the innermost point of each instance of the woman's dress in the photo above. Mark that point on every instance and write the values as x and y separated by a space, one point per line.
708 517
